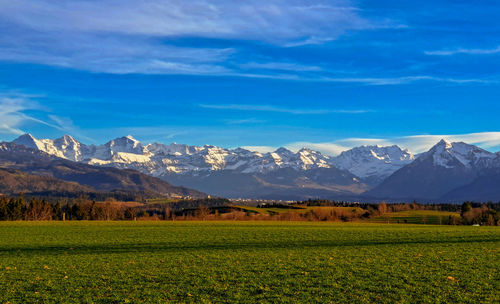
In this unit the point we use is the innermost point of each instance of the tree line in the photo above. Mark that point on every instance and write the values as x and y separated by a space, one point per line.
82 208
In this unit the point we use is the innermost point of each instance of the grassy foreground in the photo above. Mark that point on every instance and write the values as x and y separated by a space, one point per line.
247 262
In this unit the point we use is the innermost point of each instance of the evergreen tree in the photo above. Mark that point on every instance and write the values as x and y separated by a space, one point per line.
57 210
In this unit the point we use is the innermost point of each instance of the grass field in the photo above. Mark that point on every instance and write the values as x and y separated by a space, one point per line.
419 217
299 209
247 262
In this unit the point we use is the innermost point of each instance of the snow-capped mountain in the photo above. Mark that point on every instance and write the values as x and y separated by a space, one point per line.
367 162
445 167
84 178
451 155
373 163
219 171
447 171
159 159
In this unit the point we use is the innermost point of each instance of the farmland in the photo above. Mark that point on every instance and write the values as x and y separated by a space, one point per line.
248 262
419 217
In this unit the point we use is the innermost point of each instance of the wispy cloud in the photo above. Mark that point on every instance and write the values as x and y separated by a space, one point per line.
244 121
261 149
281 66
415 143
142 37
12 116
274 21
270 108
464 51
406 80
110 54
133 37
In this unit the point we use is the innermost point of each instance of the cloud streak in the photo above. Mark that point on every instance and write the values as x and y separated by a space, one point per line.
275 109
407 80
12 114
464 51
281 66
14 108
273 21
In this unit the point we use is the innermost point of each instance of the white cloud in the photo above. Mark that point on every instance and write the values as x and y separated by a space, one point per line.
275 21
110 54
261 149
405 80
283 66
122 37
14 109
464 51
12 114
420 143
270 108
243 121
415 143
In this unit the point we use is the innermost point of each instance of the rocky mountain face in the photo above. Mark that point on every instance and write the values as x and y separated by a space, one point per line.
444 168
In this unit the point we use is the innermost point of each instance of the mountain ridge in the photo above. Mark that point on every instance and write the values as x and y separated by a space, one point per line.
160 159
364 173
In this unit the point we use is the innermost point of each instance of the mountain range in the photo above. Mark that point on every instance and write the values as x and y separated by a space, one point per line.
448 171
235 173
82 177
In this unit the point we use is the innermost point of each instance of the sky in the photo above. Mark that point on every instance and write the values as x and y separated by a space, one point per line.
259 74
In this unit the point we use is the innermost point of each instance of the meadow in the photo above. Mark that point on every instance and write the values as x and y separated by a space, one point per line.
419 217
247 262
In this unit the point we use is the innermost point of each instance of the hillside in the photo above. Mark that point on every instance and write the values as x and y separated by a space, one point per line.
13 182
486 187
285 184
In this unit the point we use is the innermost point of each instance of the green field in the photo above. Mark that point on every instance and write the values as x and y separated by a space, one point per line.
298 209
419 217
248 262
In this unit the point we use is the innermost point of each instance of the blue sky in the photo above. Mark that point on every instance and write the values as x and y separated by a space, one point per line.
261 74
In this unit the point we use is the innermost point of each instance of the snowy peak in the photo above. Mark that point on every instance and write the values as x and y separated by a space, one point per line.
64 147
444 143
159 159
68 146
373 162
126 144
28 140
450 155
370 163
66 140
